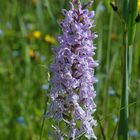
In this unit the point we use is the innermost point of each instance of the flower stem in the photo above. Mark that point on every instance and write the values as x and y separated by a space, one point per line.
123 123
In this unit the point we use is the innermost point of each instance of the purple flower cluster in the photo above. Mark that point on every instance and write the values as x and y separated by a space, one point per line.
72 93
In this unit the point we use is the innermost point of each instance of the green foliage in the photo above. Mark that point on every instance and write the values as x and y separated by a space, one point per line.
27 32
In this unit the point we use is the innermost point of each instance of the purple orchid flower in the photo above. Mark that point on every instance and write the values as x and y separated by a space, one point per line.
72 93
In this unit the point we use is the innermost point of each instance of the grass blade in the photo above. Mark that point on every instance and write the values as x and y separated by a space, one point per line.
123 122
131 21
47 4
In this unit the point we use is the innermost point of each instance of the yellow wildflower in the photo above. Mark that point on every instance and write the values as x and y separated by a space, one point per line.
139 6
36 34
50 39
32 53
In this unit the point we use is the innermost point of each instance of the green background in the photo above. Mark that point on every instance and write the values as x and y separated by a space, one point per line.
24 69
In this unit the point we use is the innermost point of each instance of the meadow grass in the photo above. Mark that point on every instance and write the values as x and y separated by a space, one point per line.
25 56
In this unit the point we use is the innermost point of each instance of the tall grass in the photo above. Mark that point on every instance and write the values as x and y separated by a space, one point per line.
128 14
123 122
23 77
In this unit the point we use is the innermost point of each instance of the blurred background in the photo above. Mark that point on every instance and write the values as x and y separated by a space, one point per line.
28 31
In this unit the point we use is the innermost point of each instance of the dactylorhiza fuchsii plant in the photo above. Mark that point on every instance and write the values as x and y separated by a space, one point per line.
72 93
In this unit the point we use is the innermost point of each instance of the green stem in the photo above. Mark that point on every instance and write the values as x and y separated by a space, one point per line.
43 121
123 122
